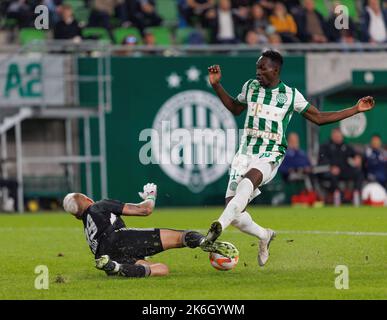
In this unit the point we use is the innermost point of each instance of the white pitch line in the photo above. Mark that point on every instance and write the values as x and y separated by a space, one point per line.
344 233
312 232
320 232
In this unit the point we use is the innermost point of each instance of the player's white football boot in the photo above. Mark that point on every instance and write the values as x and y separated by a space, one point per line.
263 253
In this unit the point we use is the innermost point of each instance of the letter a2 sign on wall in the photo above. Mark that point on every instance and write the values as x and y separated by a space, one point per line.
32 81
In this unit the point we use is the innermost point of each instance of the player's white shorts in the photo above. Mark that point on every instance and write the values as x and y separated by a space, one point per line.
241 164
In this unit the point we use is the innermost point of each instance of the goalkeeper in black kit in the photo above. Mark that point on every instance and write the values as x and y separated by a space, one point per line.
121 251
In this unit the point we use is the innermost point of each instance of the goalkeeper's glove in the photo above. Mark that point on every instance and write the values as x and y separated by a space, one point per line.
149 193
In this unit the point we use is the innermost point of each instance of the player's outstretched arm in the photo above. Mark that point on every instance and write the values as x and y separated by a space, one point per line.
146 207
141 209
320 118
214 77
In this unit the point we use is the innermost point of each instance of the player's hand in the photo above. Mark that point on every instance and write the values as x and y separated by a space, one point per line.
214 74
150 192
365 104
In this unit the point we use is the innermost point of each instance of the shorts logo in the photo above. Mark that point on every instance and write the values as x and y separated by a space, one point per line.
282 98
233 185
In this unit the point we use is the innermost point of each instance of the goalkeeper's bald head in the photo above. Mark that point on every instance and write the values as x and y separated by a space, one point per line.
76 204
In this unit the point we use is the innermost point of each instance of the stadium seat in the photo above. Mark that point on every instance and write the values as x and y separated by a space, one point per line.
167 9
81 12
120 34
182 35
27 35
191 36
322 8
96 33
162 35
9 23
351 8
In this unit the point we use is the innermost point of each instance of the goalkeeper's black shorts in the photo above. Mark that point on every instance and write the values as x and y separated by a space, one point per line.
128 245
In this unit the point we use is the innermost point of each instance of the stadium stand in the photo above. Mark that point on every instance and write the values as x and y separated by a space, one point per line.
163 35
13 16
96 34
121 33
28 35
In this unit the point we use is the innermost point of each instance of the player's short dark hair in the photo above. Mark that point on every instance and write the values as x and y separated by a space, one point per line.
274 56
376 135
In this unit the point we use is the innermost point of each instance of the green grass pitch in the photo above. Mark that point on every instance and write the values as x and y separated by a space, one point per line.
309 245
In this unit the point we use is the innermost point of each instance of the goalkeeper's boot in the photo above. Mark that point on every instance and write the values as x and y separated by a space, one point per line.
223 248
106 264
263 253
214 232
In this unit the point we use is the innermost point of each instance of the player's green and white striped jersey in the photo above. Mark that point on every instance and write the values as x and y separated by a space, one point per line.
268 114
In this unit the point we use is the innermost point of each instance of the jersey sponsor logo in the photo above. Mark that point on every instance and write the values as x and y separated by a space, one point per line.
263 134
282 98
201 157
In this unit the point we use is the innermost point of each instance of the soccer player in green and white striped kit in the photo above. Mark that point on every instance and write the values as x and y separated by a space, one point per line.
269 104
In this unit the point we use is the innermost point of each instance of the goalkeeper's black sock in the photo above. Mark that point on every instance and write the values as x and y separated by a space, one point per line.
192 239
134 270
111 267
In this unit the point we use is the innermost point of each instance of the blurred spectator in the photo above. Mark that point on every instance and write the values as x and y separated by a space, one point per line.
103 10
54 8
11 185
344 165
128 46
274 39
258 20
374 23
340 35
375 161
293 6
223 23
67 27
130 40
296 165
311 24
267 5
194 11
283 23
149 39
3 7
143 13
21 11
241 8
253 38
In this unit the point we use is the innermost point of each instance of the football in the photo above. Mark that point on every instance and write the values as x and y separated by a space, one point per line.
223 263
